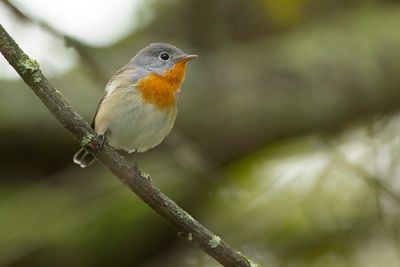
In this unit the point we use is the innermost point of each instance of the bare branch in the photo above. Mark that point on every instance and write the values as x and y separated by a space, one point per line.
30 72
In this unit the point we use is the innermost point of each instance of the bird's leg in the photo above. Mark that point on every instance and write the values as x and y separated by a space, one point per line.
103 138
135 164
136 159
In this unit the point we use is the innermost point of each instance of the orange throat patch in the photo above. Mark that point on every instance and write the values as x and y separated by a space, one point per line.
161 90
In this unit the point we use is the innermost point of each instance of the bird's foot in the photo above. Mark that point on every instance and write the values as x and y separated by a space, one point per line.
103 138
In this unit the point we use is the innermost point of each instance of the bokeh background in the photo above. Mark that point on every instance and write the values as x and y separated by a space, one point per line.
286 144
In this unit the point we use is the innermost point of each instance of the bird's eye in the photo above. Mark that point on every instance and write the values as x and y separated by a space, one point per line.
164 56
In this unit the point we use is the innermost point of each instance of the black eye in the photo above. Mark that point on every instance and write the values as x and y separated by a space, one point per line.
164 56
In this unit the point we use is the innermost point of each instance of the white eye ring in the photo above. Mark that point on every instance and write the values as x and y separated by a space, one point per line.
164 56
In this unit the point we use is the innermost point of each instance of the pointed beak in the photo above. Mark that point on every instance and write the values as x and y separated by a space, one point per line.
186 57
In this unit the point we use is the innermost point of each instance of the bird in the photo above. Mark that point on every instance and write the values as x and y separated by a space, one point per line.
139 106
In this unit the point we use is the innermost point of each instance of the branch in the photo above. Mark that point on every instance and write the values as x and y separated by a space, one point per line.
30 72
372 180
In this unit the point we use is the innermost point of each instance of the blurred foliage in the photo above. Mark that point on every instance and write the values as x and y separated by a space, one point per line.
286 143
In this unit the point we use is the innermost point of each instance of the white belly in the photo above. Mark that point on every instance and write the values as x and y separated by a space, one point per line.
134 125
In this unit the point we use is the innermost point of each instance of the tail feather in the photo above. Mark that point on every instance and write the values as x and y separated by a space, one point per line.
83 158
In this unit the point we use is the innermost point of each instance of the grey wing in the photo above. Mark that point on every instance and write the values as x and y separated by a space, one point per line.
124 78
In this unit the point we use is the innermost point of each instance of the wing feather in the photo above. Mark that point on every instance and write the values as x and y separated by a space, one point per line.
124 79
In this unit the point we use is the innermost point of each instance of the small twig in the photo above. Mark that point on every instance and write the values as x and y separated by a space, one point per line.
30 72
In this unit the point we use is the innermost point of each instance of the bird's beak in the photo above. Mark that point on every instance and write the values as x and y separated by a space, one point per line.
185 58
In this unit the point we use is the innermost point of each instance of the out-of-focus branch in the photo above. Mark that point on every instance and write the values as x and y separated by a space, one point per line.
370 179
93 69
30 72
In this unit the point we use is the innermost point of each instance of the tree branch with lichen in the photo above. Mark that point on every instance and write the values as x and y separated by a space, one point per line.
182 221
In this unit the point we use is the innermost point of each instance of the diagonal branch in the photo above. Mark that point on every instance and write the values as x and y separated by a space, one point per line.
30 72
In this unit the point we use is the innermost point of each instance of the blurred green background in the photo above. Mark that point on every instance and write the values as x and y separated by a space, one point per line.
286 144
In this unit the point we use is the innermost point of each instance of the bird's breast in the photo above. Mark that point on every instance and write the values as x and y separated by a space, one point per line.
161 90
139 125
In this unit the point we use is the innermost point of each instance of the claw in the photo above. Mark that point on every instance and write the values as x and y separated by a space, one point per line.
103 138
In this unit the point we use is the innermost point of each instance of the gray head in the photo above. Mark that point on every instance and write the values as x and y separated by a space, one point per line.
159 57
